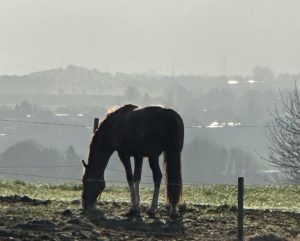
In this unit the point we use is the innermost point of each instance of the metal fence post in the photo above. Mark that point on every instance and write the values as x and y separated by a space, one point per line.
240 220
96 124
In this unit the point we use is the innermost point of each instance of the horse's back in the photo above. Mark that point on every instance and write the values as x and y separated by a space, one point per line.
156 118
150 129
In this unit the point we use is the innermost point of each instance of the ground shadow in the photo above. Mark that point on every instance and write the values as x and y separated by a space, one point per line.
157 226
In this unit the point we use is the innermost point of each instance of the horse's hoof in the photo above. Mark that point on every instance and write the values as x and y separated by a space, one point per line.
151 213
182 208
133 213
174 216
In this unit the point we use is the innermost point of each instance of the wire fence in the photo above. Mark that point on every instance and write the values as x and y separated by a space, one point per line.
3 169
215 126
185 182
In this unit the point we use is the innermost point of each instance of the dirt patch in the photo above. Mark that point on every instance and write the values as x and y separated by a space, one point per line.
23 199
44 220
266 237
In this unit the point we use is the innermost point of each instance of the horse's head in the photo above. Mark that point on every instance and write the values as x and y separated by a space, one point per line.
92 187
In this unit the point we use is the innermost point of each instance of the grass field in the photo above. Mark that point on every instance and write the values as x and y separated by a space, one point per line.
283 197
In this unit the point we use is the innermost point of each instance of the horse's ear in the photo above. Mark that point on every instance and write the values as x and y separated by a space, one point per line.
84 164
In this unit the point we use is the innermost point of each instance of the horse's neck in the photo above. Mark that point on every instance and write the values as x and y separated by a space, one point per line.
99 156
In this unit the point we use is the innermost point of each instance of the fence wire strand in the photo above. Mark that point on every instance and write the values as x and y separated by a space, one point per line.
45 123
201 126
185 183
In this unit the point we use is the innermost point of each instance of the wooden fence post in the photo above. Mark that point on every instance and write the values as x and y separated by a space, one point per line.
96 124
240 220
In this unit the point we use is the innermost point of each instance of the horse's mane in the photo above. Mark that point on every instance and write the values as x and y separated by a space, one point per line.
118 109
114 111
110 113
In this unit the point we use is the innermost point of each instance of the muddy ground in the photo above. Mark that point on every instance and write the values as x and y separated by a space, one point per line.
23 218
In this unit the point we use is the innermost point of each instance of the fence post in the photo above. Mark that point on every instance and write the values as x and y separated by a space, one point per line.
96 124
240 220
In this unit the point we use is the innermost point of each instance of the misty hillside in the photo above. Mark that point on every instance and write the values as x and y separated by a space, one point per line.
79 80
225 116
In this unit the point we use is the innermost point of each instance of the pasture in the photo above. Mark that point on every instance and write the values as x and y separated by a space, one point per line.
35 211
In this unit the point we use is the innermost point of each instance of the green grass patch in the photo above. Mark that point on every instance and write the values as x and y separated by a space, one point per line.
281 197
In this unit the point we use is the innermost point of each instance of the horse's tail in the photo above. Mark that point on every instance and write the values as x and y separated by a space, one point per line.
172 163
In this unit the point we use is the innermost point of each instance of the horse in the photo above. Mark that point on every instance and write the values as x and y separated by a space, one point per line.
138 133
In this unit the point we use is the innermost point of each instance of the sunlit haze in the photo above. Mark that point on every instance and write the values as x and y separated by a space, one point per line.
169 37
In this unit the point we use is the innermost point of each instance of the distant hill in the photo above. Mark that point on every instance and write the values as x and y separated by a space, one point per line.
82 81
71 79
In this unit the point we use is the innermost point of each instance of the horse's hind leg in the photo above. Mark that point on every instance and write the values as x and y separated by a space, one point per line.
134 210
157 176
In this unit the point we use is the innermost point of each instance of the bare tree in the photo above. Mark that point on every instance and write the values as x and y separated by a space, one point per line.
284 136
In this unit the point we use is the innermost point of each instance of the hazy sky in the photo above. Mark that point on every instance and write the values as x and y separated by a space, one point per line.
198 36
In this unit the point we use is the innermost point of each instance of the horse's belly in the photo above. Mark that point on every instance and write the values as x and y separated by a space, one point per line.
142 149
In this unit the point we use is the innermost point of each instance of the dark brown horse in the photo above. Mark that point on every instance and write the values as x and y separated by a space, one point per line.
137 132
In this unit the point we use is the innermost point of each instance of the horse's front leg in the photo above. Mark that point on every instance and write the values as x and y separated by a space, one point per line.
134 210
157 176
138 164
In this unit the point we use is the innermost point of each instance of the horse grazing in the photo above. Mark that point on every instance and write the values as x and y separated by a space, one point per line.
137 132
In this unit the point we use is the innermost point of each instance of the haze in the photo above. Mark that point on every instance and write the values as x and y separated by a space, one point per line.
170 36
